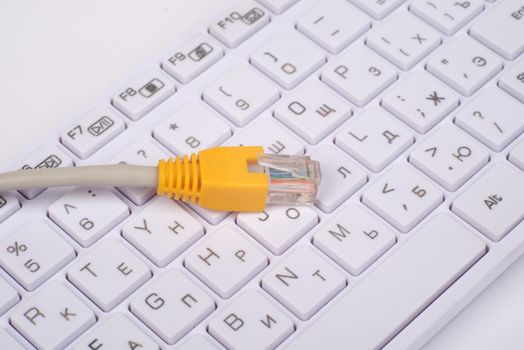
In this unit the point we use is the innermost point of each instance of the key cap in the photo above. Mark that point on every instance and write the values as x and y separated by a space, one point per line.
143 94
116 332
312 111
516 155
420 101
198 342
278 227
251 321
212 216
359 75
403 39
378 9
241 94
277 6
448 16
172 305
9 205
108 273
52 317
87 214
192 58
239 22
34 253
464 64
288 59
303 270
354 238
442 249
493 204
8 341
374 139
225 261
8 298
449 157
92 131
182 133
492 117
334 25
501 29
512 80
162 231
402 197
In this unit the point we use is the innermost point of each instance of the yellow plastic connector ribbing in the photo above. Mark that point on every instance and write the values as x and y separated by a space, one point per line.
218 179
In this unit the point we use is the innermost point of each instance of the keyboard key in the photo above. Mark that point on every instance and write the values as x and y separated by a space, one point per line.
354 238
214 217
52 317
303 270
192 58
251 321
493 204
8 298
198 342
277 6
420 101
394 292
312 111
288 59
225 261
9 205
403 39
34 253
493 117
241 94
501 29
512 80
108 273
239 22
87 214
182 133
172 305
278 227
464 64
402 197
516 155
143 94
334 25
374 139
162 230
359 75
9 342
92 131
378 9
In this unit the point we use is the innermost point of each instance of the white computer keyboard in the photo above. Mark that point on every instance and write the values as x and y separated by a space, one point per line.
415 110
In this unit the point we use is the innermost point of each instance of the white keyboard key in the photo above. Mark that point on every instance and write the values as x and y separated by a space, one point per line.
162 230
341 177
334 25
108 273
354 238
403 39
420 101
251 321
464 64
241 94
516 155
359 75
449 157
52 317
172 305
92 131
116 332
288 59
512 80
501 29
9 205
214 217
448 16
225 261
374 139
198 342
9 342
493 204
87 214
143 94
379 8
493 117
277 6
34 253
192 58
303 270
403 197
312 111
278 227
394 292
239 22
8 297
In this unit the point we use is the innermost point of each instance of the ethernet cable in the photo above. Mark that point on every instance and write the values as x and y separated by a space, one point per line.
222 178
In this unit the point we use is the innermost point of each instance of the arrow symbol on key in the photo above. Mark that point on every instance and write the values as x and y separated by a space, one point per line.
69 206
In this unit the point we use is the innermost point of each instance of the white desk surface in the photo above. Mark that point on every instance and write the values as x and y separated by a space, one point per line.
57 55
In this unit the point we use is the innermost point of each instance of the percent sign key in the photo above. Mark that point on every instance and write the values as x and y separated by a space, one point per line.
16 248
